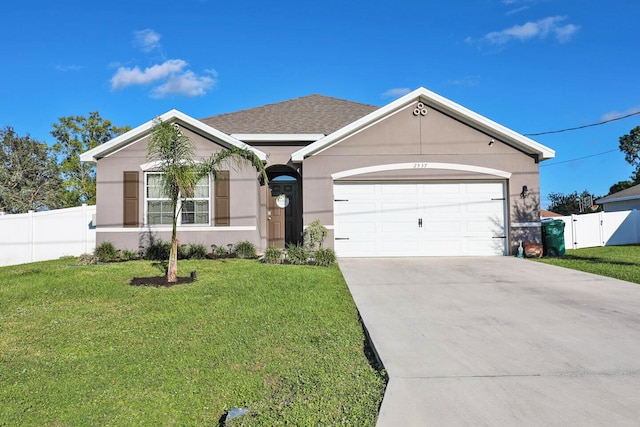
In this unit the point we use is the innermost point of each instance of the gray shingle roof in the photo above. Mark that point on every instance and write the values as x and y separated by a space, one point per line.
631 192
307 114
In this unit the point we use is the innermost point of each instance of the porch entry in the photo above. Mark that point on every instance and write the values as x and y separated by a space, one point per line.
284 211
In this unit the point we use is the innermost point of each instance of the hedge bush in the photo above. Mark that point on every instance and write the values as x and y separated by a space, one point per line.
245 249
273 255
297 254
106 252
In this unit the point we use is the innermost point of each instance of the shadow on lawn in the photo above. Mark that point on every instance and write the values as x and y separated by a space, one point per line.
159 281
596 260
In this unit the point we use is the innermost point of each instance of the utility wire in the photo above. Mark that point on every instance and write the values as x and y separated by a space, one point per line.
582 127
579 158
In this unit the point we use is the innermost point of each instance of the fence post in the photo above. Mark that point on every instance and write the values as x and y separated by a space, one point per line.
85 226
601 227
574 230
31 237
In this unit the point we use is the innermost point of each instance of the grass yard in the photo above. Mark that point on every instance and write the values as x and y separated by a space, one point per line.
81 346
619 262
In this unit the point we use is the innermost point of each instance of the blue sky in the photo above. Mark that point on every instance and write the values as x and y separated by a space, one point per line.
530 65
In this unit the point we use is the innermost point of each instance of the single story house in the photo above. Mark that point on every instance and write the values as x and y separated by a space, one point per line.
420 176
625 200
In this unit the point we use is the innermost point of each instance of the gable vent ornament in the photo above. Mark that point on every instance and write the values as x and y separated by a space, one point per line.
420 110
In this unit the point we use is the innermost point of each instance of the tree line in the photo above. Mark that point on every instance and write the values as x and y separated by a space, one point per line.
36 176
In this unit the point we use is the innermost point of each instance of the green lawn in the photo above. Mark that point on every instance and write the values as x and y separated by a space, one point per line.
81 346
619 262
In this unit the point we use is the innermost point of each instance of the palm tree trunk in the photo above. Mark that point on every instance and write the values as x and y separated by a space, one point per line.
172 268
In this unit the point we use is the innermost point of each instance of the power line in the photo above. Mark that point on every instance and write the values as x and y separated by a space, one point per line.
583 126
579 158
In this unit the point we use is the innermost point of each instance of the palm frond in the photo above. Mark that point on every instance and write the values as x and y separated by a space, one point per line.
233 157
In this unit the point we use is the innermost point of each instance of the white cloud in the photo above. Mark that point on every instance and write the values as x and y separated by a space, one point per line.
517 10
396 92
531 30
146 40
71 67
187 84
134 76
612 115
171 77
465 81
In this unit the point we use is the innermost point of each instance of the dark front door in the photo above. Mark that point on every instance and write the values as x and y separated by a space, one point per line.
283 213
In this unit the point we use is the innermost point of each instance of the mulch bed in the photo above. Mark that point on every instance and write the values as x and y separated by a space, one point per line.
159 281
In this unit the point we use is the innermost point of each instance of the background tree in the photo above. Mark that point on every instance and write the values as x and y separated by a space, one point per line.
75 135
174 153
620 185
29 178
630 146
568 204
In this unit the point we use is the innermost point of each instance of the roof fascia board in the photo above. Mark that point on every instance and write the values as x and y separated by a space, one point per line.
459 112
466 116
139 132
278 137
617 199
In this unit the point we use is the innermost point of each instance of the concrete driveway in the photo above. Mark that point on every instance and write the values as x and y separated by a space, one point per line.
500 341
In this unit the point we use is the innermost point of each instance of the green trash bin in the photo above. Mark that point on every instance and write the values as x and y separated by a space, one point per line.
553 237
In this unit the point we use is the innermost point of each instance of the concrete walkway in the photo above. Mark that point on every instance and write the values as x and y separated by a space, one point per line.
500 341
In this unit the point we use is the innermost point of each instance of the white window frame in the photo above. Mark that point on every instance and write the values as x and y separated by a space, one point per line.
195 199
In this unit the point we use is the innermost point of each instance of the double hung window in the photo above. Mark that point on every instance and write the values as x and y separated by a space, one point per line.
192 211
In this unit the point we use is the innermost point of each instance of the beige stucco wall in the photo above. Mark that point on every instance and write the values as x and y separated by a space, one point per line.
244 190
434 138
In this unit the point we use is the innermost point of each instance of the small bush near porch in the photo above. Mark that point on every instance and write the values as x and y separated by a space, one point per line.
80 346
619 262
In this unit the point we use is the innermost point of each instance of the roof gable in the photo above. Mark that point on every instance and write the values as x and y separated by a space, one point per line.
432 100
313 114
173 116
630 193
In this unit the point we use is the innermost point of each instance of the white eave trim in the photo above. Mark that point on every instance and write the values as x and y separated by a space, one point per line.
278 137
173 116
420 166
434 100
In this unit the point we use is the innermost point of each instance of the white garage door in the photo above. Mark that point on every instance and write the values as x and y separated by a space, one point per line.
419 219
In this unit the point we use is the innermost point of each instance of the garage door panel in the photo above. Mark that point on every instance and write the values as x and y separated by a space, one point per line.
384 219
392 191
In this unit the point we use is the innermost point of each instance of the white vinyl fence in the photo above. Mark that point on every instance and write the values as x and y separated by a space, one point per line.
601 229
40 236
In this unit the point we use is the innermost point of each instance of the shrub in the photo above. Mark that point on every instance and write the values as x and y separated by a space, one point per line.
297 254
325 257
106 252
158 251
273 255
197 251
220 252
245 249
314 235
183 251
86 259
127 255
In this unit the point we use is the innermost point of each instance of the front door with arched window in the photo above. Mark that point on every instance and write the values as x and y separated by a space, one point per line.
284 211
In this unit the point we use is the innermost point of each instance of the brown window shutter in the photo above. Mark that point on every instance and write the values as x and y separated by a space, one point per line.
222 200
130 199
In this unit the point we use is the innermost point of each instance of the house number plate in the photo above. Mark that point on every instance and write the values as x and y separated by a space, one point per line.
420 165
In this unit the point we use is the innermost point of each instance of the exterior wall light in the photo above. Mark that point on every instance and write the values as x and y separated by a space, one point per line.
525 192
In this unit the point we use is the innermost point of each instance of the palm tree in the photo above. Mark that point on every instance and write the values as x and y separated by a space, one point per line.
174 154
